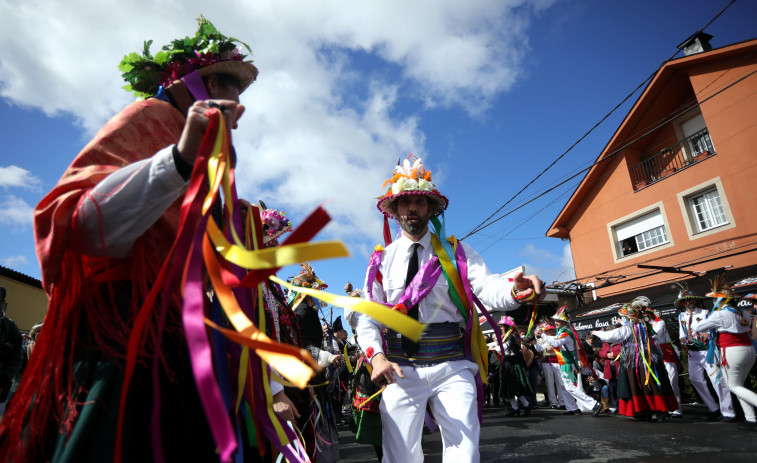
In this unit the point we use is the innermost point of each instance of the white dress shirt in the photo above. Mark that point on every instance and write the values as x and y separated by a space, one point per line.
437 306
724 321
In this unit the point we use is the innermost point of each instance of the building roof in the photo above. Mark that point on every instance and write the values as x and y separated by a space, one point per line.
20 277
667 79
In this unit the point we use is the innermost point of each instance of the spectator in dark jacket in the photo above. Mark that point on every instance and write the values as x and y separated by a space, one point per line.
11 354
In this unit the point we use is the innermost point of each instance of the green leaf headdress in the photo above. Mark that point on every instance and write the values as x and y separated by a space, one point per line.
208 52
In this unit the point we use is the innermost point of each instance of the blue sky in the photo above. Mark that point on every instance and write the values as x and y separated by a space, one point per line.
487 92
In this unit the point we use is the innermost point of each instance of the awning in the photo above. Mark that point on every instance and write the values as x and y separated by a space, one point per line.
604 311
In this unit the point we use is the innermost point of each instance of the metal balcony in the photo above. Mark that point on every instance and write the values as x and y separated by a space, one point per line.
672 159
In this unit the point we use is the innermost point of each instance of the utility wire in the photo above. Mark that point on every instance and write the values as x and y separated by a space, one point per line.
481 225
611 155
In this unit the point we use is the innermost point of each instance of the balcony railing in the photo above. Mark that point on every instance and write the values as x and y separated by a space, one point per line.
672 159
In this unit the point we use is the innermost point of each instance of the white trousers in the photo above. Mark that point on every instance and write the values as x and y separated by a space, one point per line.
553 383
698 367
672 370
739 361
576 398
450 391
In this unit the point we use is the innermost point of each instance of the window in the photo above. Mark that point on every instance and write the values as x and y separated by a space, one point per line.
651 238
705 209
641 233
695 131
708 210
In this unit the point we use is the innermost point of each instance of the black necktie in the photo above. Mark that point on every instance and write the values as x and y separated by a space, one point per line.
408 346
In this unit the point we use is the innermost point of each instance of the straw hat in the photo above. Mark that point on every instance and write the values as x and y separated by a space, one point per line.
411 179
208 52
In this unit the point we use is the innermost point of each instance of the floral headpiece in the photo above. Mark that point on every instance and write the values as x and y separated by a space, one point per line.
545 325
411 179
208 52
623 310
305 279
506 320
641 303
275 224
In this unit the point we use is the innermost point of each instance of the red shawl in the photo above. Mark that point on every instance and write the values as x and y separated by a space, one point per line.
82 310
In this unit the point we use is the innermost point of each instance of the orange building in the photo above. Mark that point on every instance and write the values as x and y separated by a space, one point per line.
673 194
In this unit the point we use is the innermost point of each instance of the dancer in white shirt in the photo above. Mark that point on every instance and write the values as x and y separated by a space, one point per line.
439 371
736 353
694 346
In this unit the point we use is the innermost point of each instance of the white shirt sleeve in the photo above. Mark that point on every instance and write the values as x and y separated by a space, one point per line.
127 203
564 341
614 336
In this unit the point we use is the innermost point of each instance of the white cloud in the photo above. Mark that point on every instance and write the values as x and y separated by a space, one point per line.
549 266
341 87
14 261
14 176
15 212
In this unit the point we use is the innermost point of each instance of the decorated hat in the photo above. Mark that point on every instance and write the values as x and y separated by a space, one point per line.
686 295
208 52
305 279
337 325
547 326
411 179
561 314
641 303
623 310
720 287
275 224
751 296
506 320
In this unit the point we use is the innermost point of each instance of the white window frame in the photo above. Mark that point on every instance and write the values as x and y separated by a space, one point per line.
709 209
685 201
642 216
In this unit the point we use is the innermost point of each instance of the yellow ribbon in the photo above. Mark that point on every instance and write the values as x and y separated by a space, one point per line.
478 346
274 257
391 319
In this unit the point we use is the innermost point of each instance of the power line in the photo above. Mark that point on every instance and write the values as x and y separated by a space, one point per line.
611 155
481 225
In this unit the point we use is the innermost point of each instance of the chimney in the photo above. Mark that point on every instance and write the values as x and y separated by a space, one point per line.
697 43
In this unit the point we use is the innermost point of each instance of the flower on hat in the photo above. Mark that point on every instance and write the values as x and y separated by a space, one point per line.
411 178
506 320
145 73
275 222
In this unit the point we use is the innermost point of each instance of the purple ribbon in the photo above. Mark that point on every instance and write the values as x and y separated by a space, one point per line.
196 86
200 353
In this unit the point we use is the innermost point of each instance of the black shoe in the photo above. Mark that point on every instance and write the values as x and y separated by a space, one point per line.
562 407
527 411
573 412
513 413
712 416
554 407
728 419
597 408
659 417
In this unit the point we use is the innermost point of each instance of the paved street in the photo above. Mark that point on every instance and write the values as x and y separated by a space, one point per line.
548 436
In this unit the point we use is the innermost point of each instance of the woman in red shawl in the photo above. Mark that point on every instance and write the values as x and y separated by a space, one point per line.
102 235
